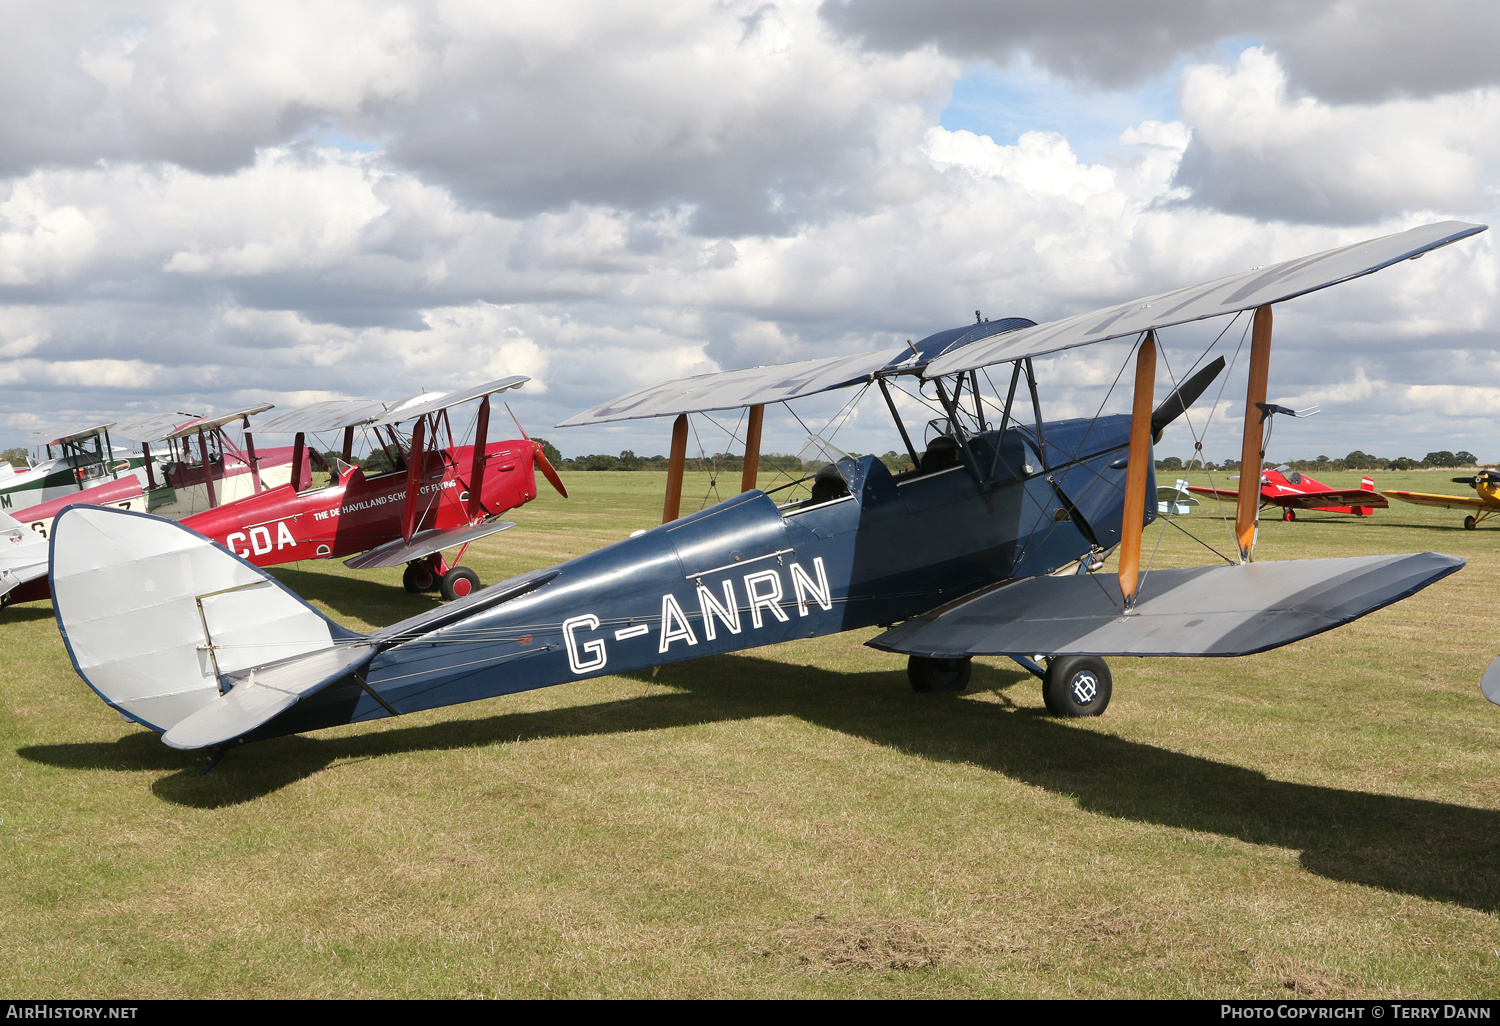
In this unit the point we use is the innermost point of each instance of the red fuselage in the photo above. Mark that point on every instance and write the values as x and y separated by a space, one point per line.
356 513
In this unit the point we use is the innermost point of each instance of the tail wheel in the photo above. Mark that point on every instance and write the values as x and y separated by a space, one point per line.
1470 523
937 675
418 577
1077 686
458 582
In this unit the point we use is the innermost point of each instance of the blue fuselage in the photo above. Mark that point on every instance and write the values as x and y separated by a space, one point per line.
746 572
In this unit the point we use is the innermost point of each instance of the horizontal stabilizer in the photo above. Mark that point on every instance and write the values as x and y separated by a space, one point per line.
1226 610
425 543
264 692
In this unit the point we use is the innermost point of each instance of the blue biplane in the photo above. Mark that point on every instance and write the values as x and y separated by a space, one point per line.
989 545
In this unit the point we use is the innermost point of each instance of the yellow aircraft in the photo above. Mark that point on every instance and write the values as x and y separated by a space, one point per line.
1486 504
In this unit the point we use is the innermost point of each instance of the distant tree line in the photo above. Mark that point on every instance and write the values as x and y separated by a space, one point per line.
1356 460
727 462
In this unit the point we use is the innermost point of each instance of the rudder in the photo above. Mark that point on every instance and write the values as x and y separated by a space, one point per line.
156 617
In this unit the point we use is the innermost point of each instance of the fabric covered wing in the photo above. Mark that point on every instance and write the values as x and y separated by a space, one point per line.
1237 292
728 390
327 415
1343 497
1441 501
1225 610
1489 684
425 543
410 410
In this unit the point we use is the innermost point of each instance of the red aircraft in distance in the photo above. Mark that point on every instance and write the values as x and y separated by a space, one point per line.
431 497
1293 490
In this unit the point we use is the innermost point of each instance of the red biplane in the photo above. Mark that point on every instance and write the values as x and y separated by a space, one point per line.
428 496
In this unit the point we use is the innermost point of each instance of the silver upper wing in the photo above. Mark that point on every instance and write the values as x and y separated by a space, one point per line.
1237 292
728 390
327 415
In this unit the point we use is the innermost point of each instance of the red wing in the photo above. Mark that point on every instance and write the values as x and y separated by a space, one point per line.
1221 493
1340 497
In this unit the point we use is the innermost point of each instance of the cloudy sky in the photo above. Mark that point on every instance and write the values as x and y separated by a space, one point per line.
206 205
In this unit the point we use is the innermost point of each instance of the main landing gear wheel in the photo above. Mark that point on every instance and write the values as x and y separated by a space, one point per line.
458 582
937 675
1289 515
418 577
1076 686
1470 523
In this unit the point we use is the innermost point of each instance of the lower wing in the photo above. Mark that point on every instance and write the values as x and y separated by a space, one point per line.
1344 497
1444 501
1226 610
425 543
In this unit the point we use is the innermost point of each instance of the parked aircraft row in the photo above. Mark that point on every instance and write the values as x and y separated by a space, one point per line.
279 505
991 545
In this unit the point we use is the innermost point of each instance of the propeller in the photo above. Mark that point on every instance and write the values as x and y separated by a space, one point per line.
1185 395
538 457
1488 477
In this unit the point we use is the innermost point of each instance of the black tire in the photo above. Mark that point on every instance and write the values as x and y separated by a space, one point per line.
930 676
458 582
418 578
1470 523
1077 686
1289 515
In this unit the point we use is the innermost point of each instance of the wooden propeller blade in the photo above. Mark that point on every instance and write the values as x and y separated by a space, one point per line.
545 466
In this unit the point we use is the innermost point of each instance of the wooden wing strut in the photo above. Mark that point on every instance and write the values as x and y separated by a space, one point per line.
476 470
751 472
414 464
1137 469
208 470
672 507
1247 508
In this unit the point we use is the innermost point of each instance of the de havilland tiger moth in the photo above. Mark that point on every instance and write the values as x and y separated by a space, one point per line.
424 497
991 545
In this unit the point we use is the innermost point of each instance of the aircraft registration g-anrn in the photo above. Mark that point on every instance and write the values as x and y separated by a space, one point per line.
991 545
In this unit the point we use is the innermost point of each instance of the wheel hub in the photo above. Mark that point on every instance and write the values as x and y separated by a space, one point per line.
1085 687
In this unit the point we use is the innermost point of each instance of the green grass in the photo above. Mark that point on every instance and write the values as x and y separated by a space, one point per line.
790 821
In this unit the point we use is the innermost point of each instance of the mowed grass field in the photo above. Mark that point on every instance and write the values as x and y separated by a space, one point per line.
793 821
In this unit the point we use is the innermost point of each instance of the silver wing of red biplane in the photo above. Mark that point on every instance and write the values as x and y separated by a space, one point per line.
326 415
1232 294
421 405
1226 610
424 543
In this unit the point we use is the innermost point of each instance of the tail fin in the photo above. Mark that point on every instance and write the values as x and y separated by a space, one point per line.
162 624
1366 484
23 554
